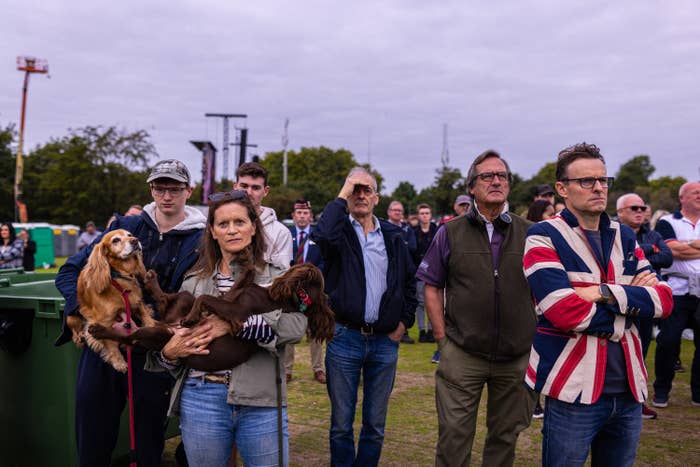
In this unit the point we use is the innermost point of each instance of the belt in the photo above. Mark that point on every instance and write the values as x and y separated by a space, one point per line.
218 378
365 329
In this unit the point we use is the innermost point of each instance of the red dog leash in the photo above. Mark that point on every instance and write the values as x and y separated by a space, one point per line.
130 376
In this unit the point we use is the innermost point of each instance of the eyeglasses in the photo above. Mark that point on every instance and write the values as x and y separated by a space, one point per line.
589 182
489 176
234 195
172 190
366 189
637 208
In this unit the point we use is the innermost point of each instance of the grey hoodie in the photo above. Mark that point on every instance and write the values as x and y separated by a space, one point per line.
278 239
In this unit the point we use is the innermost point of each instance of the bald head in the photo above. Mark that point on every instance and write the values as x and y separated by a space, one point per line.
689 197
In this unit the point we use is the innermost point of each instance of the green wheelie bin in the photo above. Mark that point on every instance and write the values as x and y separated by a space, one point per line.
37 379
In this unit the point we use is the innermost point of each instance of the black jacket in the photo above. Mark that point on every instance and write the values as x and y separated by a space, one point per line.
344 271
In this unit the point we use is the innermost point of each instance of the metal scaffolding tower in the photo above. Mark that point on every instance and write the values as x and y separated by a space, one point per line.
225 143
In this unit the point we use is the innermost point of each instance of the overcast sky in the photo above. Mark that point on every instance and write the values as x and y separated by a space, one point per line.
377 78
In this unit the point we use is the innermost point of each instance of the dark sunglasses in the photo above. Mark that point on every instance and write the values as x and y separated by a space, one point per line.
637 208
234 195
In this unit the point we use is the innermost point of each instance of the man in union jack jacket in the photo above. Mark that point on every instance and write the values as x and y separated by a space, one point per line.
592 285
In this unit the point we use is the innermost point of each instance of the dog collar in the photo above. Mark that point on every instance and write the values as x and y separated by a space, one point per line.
304 300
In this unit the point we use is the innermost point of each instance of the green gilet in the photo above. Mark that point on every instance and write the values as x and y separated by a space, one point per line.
488 313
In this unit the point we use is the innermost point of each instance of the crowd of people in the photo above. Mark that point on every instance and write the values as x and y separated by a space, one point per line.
557 304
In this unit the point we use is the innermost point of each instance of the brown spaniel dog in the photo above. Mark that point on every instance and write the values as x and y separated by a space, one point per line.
298 289
116 259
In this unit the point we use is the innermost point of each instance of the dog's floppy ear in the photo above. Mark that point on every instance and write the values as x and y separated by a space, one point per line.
97 271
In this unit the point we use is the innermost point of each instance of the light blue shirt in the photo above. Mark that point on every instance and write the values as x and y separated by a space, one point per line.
376 264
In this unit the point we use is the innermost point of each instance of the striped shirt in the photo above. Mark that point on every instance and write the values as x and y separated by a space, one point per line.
255 327
376 265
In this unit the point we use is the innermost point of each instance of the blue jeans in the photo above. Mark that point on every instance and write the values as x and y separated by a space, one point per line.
348 355
210 426
668 347
610 429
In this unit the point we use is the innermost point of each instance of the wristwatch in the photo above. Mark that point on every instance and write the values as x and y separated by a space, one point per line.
605 292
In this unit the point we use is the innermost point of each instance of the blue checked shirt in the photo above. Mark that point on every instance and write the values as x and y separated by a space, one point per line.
376 264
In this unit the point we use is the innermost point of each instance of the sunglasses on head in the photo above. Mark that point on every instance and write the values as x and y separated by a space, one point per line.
234 195
637 208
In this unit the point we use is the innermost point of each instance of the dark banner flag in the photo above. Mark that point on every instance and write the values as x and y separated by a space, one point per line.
208 168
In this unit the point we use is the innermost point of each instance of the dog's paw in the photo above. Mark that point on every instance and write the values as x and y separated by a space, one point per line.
188 322
98 331
121 366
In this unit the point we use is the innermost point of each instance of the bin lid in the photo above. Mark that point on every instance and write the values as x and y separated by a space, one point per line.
40 295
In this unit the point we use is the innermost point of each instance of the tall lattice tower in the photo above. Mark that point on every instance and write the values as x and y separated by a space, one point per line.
445 156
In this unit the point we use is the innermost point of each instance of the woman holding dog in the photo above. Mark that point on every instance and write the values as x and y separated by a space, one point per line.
237 405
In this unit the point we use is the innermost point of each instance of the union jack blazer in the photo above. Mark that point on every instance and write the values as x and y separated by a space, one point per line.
568 356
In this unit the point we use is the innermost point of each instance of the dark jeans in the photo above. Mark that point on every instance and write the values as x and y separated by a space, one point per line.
668 345
101 395
609 429
350 355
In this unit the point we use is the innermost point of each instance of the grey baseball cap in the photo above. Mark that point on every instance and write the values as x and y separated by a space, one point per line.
170 168
463 199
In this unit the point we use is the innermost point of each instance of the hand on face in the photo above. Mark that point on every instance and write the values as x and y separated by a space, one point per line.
360 193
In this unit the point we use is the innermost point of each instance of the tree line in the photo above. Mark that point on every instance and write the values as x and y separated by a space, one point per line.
92 172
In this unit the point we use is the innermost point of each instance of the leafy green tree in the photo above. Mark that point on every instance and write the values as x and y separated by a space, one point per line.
523 191
664 192
449 183
633 173
315 173
406 193
87 175
7 173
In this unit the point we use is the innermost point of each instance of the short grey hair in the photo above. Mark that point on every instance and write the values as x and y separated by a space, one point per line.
488 154
621 200
362 170
396 201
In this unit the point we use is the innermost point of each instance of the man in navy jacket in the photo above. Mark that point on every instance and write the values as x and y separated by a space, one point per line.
169 234
370 282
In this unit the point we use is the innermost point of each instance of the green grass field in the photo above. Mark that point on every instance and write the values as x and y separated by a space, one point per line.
411 430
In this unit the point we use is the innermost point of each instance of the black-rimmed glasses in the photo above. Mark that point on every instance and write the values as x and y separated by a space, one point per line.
489 176
589 182
637 208
234 195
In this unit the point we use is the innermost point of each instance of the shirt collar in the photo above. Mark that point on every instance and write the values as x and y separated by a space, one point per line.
355 223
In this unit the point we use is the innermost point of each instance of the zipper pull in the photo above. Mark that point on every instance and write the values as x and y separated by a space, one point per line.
495 273
160 236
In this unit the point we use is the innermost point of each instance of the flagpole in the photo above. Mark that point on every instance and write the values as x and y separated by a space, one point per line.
285 142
